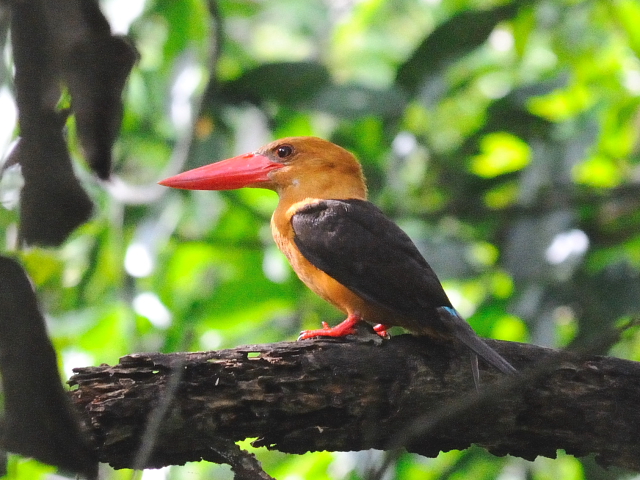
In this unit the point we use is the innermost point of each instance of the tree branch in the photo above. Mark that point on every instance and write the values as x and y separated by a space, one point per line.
350 395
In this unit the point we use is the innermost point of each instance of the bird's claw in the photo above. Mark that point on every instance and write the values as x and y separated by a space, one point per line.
341 330
327 331
348 327
381 330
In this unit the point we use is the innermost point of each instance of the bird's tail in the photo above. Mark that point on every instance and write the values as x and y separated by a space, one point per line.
464 333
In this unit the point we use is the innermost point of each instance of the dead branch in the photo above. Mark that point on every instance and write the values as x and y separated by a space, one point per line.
342 395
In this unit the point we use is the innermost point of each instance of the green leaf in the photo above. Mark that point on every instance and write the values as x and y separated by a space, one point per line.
288 83
458 36
501 153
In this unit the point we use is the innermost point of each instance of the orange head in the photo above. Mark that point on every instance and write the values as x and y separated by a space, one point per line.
295 167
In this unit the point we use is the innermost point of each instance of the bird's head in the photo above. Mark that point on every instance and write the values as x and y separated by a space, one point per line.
295 167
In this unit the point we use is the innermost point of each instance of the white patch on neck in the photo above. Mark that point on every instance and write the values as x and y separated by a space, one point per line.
295 182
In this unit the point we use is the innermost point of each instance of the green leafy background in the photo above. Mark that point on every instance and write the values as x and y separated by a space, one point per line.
502 136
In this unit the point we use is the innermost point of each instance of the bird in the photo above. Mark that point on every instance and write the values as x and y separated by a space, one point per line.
341 245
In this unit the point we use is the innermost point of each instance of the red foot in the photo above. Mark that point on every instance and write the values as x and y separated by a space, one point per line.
381 330
347 327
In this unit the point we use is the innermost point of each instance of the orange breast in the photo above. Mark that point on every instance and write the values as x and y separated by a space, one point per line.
318 281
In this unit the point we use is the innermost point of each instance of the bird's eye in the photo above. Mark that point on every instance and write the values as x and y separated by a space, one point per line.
284 151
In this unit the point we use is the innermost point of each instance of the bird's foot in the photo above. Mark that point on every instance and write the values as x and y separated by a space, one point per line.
381 329
343 329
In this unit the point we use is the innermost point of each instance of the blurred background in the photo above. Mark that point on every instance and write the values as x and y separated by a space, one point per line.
502 136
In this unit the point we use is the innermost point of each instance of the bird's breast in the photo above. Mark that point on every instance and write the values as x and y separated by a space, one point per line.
318 281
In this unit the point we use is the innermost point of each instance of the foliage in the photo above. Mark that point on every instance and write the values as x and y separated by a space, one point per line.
503 136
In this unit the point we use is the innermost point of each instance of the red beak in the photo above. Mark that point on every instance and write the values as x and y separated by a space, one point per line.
237 172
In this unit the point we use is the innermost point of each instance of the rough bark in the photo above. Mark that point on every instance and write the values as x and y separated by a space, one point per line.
340 395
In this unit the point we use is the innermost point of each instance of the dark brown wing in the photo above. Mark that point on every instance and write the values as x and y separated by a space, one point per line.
355 243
